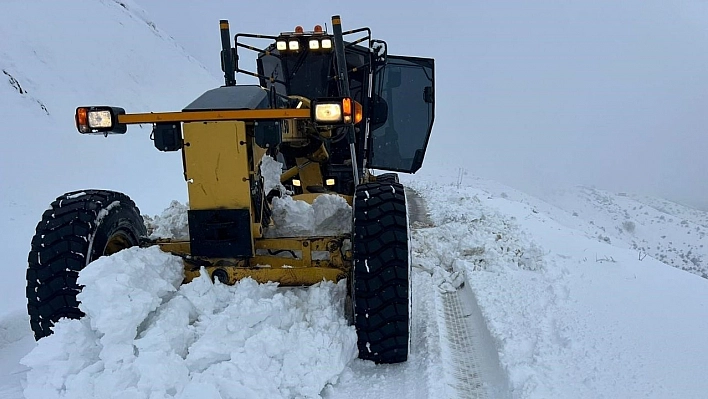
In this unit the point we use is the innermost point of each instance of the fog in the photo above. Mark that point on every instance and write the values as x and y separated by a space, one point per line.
603 93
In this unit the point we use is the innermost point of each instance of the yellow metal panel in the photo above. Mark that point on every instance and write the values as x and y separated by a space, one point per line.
285 270
205 116
310 174
217 165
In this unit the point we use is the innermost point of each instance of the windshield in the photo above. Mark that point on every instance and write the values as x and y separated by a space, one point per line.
304 74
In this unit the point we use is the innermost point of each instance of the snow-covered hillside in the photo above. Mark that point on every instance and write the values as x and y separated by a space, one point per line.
55 56
673 233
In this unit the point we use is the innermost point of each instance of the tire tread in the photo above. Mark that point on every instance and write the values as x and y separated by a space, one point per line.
59 250
381 275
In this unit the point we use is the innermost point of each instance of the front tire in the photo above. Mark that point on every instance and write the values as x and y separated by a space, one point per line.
380 289
79 228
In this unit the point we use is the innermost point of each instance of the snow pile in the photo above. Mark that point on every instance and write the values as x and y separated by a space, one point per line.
328 215
145 336
172 223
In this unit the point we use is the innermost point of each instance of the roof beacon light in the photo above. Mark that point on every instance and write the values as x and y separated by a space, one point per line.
318 29
298 29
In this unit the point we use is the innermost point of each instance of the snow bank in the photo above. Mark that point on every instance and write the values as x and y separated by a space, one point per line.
145 336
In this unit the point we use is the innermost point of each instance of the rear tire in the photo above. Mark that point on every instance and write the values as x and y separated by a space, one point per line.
380 288
79 228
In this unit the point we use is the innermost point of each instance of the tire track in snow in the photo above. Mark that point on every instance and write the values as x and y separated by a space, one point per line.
469 356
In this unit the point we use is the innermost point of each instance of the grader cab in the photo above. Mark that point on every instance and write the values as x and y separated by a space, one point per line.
330 111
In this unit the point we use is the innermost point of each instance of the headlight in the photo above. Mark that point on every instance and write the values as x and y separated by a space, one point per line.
336 111
327 43
328 113
314 44
99 120
294 45
281 45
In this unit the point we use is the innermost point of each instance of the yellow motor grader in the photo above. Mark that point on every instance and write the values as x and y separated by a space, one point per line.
330 110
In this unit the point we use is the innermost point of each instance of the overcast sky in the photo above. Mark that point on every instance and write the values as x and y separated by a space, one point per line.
604 92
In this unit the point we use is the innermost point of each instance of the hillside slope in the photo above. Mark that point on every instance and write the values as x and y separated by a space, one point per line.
56 56
670 232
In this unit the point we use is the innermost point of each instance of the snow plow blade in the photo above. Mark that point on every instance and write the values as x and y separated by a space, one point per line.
309 261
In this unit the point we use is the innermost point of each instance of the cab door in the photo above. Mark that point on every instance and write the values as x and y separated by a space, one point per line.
402 114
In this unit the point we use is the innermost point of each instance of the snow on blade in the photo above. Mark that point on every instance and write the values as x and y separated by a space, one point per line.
145 336
327 216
